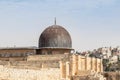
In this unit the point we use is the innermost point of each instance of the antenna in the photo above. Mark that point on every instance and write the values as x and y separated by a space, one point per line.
55 20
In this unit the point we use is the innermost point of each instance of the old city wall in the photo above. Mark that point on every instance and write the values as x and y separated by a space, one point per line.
12 58
80 65
67 65
46 57
39 67
77 63
86 64
36 61
7 73
31 64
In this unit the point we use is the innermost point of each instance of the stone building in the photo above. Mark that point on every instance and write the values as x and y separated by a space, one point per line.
16 53
51 60
53 40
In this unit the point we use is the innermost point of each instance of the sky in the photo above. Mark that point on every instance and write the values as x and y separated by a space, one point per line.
91 23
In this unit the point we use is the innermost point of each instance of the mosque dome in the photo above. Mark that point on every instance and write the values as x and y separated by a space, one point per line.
55 36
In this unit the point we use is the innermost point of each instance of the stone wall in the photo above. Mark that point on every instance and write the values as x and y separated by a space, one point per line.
46 57
13 58
31 64
16 52
86 63
36 61
7 73
47 67
78 65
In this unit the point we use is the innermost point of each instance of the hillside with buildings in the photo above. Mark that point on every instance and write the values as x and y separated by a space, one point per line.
110 56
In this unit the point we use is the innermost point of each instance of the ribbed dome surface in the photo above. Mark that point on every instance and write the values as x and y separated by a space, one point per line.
55 36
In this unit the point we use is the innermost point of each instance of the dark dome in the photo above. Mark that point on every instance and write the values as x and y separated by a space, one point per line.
55 36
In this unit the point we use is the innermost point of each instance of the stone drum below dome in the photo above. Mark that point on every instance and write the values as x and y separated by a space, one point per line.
55 36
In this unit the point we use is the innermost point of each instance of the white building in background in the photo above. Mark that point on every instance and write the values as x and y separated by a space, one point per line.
106 52
113 59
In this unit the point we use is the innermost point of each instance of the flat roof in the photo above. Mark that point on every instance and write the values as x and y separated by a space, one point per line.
15 48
